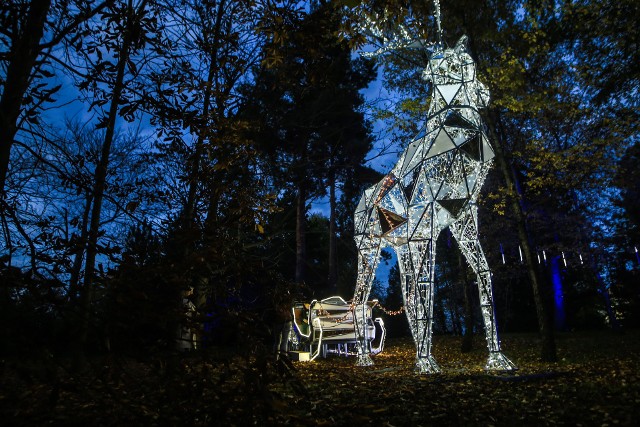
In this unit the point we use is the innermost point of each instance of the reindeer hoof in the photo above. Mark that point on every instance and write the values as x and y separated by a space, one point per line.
427 365
499 362
364 360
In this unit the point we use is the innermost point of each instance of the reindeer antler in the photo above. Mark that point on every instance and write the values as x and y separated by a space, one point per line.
398 37
436 5
393 37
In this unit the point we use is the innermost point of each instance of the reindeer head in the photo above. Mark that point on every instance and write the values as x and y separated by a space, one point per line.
446 67
454 66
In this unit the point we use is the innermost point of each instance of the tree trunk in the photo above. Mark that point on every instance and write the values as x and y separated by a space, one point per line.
23 55
332 280
467 338
454 315
545 328
76 269
86 293
194 170
301 233
202 286
604 290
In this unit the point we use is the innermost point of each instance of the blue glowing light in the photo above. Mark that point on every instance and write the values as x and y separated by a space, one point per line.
558 298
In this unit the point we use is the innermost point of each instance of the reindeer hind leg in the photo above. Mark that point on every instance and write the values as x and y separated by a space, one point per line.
465 232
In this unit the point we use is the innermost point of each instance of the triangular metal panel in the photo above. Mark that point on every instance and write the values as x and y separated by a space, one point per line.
420 248
455 119
487 151
368 194
433 187
420 134
448 92
441 144
409 183
421 223
459 136
463 190
397 198
415 215
420 193
389 220
445 190
364 242
441 216
361 204
453 206
410 156
397 236
472 147
471 182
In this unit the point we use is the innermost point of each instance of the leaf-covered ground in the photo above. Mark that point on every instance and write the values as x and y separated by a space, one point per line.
595 383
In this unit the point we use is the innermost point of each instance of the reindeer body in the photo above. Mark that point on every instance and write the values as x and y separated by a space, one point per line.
434 185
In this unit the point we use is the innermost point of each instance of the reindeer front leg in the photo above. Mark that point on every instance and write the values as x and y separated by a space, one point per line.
368 258
420 304
465 231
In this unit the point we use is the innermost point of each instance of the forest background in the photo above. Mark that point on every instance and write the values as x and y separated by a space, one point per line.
150 147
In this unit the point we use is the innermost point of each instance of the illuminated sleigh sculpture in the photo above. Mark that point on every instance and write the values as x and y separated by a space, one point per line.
326 327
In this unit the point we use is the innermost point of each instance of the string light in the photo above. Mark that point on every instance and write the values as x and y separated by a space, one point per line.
387 311
566 256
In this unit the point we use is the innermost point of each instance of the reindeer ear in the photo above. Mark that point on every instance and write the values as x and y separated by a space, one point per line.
461 46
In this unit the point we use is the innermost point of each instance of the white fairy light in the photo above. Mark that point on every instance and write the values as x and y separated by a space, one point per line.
564 259
434 185
520 250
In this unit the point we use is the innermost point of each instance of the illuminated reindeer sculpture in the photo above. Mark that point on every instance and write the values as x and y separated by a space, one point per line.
434 185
